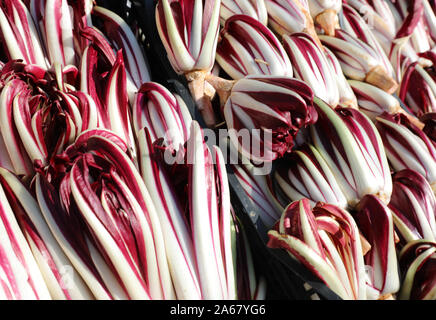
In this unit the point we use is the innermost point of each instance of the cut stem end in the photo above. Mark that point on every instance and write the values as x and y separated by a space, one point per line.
201 96
222 86
328 21
378 77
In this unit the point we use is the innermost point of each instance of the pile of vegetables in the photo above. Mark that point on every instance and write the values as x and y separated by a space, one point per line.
110 188
90 207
